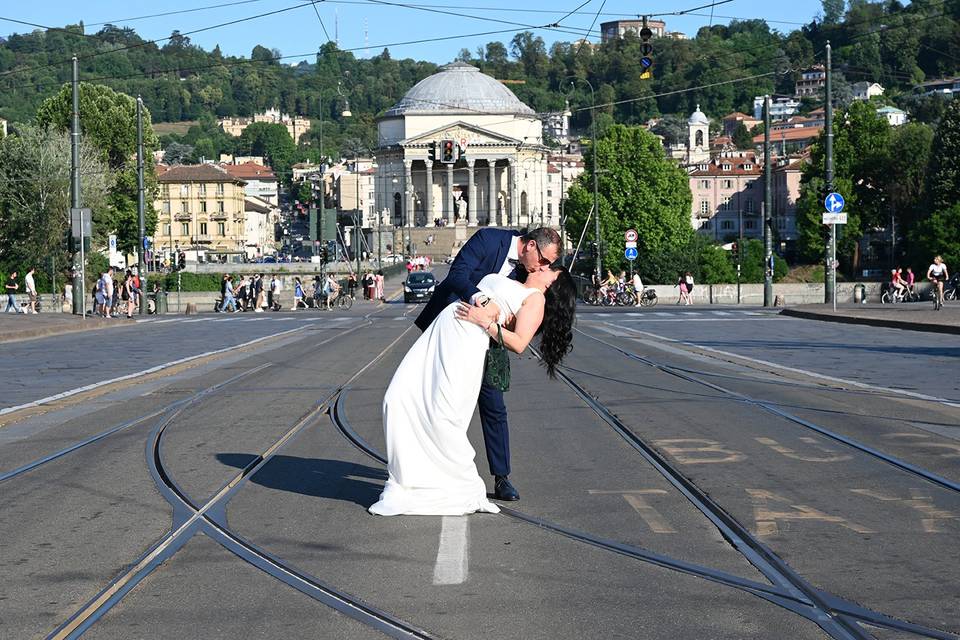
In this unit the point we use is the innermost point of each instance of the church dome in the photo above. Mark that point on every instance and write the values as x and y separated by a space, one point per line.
459 88
698 117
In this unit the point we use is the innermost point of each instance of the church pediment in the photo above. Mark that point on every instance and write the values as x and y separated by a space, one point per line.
464 133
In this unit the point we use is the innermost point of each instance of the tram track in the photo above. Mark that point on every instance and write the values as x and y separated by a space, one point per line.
834 615
775 409
209 518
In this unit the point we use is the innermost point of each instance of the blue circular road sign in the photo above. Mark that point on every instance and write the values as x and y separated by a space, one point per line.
630 253
833 203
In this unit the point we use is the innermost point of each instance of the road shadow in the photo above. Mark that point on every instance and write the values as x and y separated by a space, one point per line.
315 477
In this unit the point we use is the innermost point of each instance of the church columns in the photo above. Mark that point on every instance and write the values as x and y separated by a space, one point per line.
428 194
492 192
471 195
511 213
448 208
408 192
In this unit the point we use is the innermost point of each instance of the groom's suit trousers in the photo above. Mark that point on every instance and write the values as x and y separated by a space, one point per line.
496 435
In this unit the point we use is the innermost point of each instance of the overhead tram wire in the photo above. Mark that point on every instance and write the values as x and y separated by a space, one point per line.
573 12
592 24
149 42
322 26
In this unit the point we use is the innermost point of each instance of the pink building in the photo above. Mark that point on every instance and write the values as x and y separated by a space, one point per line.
728 191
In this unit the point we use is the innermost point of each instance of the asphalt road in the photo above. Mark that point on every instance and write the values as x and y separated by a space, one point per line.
694 475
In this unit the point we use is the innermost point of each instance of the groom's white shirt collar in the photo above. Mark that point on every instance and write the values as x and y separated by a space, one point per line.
513 254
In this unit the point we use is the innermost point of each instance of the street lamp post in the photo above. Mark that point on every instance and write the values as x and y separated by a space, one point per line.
596 206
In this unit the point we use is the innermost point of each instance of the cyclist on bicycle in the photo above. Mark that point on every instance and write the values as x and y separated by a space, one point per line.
610 284
897 286
911 279
331 289
937 274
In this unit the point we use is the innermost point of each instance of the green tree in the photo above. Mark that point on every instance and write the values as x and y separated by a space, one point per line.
939 235
273 142
742 137
108 122
638 188
35 196
833 10
944 171
716 266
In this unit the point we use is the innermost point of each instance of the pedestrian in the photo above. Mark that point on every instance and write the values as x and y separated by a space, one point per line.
298 295
688 279
98 299
637 287
258 293
682 283
228 299
31 288
240 293
352 285
331 290
378 285
272 293
127 293
223 292
108 293
11 288
136 287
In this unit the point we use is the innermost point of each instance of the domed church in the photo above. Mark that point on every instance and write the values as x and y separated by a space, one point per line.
461 150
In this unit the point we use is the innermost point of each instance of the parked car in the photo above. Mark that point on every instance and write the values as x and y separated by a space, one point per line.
393 258
419 286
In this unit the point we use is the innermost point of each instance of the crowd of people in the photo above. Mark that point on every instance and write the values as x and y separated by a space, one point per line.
114 295
30 288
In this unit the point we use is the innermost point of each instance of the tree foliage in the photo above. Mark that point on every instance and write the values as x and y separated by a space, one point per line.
108 122
35 196
639 188
944 175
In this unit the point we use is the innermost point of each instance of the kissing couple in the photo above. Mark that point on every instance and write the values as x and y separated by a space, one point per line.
500 284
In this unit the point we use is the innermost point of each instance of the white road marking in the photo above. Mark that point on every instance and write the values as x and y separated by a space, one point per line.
767 363
159 367
721 313
195 320
453 563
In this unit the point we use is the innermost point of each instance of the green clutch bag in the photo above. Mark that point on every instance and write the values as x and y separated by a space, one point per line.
496 367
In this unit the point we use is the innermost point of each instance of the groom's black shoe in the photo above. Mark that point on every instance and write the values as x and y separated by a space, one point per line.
503 490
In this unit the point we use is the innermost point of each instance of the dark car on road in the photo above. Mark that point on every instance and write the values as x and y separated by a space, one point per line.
419 286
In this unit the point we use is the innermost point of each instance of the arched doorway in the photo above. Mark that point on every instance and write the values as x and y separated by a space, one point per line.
397 210
524 212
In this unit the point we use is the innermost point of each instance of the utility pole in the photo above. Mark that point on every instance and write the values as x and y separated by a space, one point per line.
767 209
830 273
79 295
141 263
596 206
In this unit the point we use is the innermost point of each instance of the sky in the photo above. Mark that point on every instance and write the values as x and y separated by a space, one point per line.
366 26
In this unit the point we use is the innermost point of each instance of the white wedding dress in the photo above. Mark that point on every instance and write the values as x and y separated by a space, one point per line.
427 410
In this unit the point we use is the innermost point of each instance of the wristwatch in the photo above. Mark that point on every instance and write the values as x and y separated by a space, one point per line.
483 300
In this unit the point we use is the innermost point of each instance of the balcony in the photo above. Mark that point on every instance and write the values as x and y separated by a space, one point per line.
203 239
219 215
183 216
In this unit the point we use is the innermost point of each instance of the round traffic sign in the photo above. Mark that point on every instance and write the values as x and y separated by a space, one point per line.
646 49
630 253
646 33
630 235
833 203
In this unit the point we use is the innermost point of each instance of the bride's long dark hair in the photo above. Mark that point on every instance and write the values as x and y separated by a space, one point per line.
556 330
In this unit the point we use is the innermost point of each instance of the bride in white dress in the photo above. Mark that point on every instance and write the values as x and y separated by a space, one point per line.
431 398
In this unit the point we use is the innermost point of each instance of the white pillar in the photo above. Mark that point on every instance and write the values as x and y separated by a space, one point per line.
492 193
472 195
408 192
449 195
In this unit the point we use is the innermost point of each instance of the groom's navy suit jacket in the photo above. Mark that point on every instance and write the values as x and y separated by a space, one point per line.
482 255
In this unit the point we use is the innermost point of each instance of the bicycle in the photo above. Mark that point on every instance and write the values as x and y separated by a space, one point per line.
937 297
891 295
341 302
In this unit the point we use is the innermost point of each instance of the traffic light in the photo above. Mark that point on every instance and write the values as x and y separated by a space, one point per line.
448 151
432 154
646 51
182 261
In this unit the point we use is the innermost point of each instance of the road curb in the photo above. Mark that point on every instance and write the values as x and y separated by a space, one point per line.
873 322
43 332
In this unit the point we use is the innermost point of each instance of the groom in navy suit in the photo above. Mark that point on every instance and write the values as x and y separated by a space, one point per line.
511 254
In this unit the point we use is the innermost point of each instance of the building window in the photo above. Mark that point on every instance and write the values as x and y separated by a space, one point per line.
550 210
699 139
166 206
220 207
704 184
203 206
222 228
549 193
725 205
748 224
727 184
183 207
726 167
707 224
184 228
748 167
749 206
166 229
704 208
184 191
219 188
203 190
726 225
